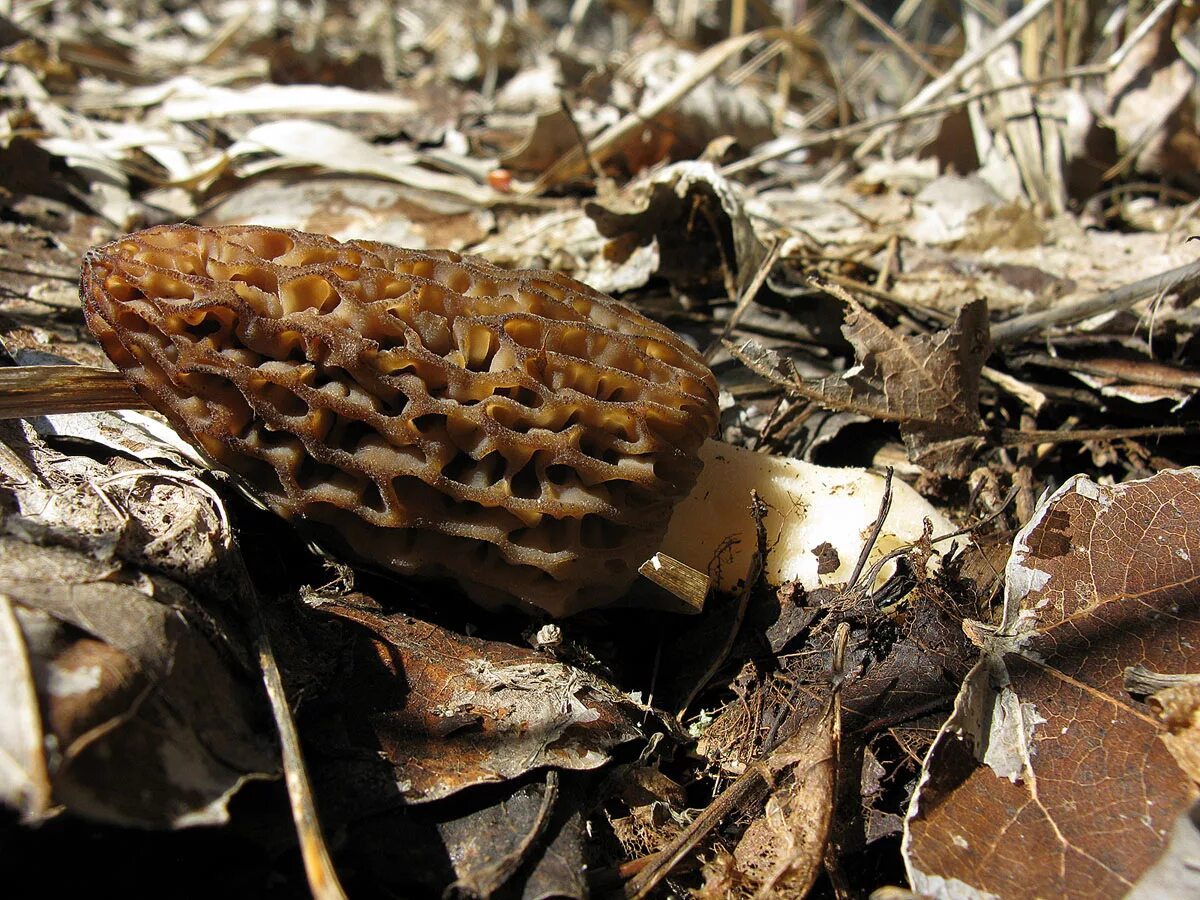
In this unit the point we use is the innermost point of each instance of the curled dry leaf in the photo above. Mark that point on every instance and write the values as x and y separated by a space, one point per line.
124 702
686 223
928 384
1049 779
539 825
444 711
711 110
554 131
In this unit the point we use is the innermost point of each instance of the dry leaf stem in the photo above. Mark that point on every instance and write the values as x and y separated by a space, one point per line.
1178 279
45 390
318 866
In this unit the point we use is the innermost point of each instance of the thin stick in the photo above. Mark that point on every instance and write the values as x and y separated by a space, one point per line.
1140 32
747 297
323 882
885 507
957 101
572 163
1010 437
965 64
1125 296
894 36
318 867
47 390
592 165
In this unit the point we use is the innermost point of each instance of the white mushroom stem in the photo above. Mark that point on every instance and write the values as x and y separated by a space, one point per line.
810 510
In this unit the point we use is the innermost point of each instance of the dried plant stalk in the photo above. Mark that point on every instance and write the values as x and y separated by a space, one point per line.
45 390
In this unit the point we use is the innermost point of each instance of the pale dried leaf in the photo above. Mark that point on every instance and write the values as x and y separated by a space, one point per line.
24 782
309 143
1151 105
192 101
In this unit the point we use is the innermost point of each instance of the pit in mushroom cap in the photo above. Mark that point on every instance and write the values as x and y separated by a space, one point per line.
425 411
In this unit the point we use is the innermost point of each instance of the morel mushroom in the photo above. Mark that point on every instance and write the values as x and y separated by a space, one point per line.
425 411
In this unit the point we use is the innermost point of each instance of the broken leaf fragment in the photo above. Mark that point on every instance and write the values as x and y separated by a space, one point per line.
1049 779
928 383
780 854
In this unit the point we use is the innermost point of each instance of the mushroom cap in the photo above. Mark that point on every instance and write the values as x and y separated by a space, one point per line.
422 411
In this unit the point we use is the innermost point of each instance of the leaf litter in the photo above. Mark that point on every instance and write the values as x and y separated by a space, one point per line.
930 239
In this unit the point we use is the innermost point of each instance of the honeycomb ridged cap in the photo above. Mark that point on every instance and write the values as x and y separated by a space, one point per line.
423 411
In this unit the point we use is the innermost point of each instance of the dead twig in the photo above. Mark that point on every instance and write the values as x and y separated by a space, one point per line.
747 792
744 301
318 866
894 36
1014 438
49 390
885 506
1177 279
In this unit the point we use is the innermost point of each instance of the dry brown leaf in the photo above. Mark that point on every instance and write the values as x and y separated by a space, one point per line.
522 839
444 711
1049 779
143 716
928 384
552 134
781 852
